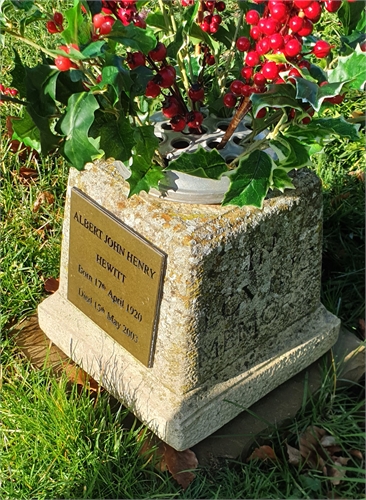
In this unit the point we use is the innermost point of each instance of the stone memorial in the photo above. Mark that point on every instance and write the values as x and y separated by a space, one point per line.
188 313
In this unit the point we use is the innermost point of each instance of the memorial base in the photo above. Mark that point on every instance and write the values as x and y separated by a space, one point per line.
240 311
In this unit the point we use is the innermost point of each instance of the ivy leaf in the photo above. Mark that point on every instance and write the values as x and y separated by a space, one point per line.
78 28
156 19
116 138
350 69
197 33
76 123
201 163
350 14
281 180
250 182
278 96
315 95
145 175
94 49
134 37
26 131
18 75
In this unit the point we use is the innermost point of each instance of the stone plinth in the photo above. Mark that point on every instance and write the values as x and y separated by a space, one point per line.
240 312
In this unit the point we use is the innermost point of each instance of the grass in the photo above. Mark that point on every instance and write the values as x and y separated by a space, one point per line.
59 442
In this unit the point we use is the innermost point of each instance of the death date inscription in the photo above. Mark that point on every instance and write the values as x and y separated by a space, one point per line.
115 276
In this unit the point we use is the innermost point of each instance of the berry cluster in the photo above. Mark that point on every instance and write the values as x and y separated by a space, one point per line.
211 22
55 25
9 91
279 30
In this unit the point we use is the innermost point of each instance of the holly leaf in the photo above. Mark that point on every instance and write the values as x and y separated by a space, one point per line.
297 157
197 33
94 49
117 138
76 123
134 37
315 95
350 69
281 180
320 128
201 163
278 96
26 131
140 76
250 182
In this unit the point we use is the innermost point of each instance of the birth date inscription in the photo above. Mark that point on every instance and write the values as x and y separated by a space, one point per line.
115 276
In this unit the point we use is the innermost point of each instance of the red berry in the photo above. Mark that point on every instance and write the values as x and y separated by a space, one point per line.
135 59
196 92
166 77
302 4
217 19
304 64
51 27
259 80
261 113
205 26
178 123
313 11
13 92
220 6
337 99
152 89
270 27
296 23
255 32
247 90
170 107
263 46
252 17
210 60
159 53
252 58
278 11
236 86
333 5
293 48
307 28
2 88
270 70
106 27
321 49
194 119
229 100
63 63
214 27
99 19
58 18
276 41
243 44
247 73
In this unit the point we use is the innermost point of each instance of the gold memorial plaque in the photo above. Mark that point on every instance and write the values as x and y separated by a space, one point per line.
115 276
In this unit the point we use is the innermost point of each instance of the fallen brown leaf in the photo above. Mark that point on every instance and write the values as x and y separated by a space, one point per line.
180 464
294 455
26 175
43 198
264 452
337 474
359 174
51 285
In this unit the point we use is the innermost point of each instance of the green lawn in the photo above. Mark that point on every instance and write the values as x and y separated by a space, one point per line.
59 442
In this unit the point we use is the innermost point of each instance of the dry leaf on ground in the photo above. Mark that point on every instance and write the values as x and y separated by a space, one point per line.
319 450
51 285
264 452
180 464
359 174
43 198
26 175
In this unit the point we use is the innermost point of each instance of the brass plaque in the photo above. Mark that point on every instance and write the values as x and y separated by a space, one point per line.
115 276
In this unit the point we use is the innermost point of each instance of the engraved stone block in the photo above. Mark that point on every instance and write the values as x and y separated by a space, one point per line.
240 309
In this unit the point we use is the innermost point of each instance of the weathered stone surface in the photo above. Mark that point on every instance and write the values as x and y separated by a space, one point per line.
240 312
282 404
